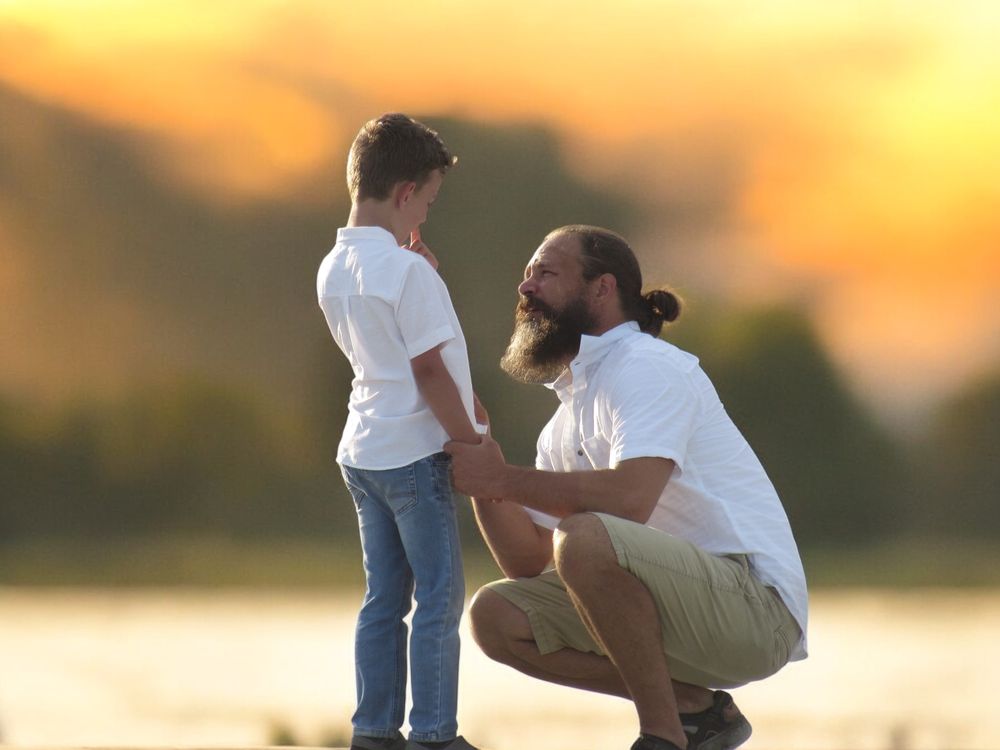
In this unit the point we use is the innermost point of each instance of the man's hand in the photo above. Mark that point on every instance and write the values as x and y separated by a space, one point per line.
477 470
417 246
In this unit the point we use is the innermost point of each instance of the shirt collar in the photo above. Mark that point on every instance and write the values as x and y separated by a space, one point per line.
348 234
592 349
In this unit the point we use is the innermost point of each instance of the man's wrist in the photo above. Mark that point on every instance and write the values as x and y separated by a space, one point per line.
507 481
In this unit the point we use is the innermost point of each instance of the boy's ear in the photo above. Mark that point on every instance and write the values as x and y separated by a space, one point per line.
402 193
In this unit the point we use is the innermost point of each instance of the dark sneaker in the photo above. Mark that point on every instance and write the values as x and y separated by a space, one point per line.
360 742
709 730
649 742
459 743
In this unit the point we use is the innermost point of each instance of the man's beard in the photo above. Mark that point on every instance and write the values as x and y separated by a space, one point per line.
542 345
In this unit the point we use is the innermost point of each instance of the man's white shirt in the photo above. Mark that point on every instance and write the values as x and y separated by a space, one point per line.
384 306
630 395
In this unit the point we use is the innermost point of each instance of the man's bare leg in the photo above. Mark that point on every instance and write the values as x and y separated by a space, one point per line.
601 591
503 633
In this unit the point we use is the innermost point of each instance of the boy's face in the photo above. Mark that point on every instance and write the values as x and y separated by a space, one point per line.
418 202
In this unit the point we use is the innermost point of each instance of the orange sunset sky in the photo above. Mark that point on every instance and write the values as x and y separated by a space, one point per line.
859 141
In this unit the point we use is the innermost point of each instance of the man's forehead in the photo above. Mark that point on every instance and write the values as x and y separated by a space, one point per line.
561 250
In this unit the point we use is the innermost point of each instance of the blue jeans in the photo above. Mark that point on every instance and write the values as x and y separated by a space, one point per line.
409 537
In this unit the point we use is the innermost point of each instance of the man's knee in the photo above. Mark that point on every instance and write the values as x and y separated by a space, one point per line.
581 542
496 623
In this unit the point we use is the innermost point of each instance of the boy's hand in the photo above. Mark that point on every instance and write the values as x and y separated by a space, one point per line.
482 417
417 246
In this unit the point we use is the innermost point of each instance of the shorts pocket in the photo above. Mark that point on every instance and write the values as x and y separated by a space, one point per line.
782 648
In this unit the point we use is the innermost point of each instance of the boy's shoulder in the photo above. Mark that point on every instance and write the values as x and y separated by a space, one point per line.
382 258
375 238
372 242
369 265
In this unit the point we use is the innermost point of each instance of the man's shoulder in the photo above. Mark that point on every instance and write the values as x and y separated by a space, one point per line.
644 362
644 351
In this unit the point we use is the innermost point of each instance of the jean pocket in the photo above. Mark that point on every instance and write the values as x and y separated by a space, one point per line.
440 464
400 489
357 494
440 459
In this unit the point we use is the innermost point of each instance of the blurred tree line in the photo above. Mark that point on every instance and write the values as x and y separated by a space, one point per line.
235 437
200 458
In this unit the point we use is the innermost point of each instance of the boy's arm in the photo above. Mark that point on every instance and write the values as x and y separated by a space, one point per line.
441 394
482 416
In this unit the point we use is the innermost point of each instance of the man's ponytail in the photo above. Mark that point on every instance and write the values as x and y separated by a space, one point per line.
661 306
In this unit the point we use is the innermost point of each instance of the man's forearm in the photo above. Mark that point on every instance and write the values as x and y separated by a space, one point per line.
630 490
561 494
516 543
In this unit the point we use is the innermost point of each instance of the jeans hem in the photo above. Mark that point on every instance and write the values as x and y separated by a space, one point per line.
433 737
378 734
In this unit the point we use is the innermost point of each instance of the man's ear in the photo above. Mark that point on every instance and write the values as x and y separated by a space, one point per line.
607 285
402 193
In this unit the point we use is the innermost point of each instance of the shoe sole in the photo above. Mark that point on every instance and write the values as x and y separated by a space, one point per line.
732 738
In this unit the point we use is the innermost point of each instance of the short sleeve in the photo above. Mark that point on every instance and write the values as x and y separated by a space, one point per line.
653 410
543 462
422 310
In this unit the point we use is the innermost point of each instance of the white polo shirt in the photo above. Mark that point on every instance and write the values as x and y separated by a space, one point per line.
630 395
384 306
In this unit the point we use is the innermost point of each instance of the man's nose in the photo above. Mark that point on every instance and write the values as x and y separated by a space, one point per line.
526 288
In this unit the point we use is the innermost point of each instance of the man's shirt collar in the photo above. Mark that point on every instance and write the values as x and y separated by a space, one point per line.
592 350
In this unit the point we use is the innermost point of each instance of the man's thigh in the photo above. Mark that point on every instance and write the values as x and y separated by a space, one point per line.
720 626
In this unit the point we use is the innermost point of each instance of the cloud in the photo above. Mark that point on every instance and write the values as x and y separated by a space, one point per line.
180 72
836 151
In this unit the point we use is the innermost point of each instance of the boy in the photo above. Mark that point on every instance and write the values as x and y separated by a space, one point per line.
390 314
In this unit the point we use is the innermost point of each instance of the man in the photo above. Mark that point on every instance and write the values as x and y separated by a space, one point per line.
647 555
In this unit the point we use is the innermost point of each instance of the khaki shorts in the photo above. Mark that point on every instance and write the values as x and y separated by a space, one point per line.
720 626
